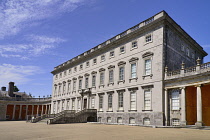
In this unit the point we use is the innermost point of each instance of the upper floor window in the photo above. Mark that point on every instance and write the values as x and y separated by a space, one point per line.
55 90
111 76
133 70
148 38
86 82
75 69
94 61
111 54
74 85
60 75
100 102
93 81
64 87
80 83
81 67
59 89
187 52
102 58
102 78
182 47
193 55
121 73
148 66
69 86
87 64
69 71
122 49
64 73
134 45
56 76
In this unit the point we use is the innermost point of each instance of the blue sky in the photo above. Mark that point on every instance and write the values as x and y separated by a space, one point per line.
37 35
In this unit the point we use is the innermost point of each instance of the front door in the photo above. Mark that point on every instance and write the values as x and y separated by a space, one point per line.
85 104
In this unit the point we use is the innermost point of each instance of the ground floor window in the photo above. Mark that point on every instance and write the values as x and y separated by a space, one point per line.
132 120
175 122
109 119
119 120
146 121
175 100
92 102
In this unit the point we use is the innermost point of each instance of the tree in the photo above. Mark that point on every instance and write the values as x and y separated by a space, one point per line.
16 89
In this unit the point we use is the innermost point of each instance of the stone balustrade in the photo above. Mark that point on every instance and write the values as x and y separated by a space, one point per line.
115 38
198 69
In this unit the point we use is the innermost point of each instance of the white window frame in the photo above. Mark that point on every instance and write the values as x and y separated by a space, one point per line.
148 38
74 85
101 102
87 64
73 104
111 76
134 73
69 86
120 100
86 82
94 61
94 80
175 100
102 77
121 49
134 44
92 102
81 66
147 71
111 54
121 73
103 58
110 102
133 103
80 84
146 121
64 87
148 99
188 52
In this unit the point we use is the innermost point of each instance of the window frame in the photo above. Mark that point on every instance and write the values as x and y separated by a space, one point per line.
148 99
123 49
134 44
150 39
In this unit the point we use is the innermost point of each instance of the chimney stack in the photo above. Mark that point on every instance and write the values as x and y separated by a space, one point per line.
11 89
3 88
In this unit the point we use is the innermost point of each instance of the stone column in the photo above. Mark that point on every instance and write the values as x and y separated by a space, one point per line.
166 107
20 113
45 109
49 112
26 112
37 112
32 113
183 107
42 110
13 114
199 107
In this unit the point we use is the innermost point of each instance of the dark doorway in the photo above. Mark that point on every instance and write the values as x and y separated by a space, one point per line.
85 104
91 119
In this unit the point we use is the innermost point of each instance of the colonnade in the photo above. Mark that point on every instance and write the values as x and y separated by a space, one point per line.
183 121
47 110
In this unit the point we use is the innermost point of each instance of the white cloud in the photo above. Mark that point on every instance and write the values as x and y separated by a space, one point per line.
38 45
206 46
18 73
18 14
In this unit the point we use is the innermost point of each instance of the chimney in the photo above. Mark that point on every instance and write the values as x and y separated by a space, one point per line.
11 89
3 88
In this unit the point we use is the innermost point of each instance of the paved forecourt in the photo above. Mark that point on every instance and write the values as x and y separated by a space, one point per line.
20 130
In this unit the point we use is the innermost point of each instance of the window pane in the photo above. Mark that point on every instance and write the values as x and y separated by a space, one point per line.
148 67
133 70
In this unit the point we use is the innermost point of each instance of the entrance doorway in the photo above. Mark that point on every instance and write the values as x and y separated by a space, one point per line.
85 104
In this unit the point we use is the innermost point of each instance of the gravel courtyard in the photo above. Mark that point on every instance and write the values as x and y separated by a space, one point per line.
20 130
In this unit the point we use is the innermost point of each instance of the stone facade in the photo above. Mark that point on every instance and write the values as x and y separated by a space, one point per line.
123 78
